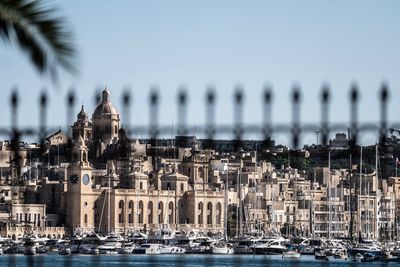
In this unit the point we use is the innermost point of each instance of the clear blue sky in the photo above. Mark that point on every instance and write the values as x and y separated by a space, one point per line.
222 43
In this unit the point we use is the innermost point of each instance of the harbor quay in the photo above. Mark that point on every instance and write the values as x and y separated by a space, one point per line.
96 190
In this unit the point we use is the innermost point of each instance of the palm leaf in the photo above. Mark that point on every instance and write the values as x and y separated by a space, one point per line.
32 26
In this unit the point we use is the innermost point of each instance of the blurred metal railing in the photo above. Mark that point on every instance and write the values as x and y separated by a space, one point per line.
239 129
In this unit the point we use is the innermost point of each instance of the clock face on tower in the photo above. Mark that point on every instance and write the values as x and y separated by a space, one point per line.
74 178
86 179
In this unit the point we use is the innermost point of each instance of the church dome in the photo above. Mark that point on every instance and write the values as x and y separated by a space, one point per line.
105 107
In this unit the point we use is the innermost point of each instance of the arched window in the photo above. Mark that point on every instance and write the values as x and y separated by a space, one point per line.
116 129
121 212
171 212
219 212
201 173
131 211
150 212
140 211
209 213
86 220
182 187
200 213
141 186
160 212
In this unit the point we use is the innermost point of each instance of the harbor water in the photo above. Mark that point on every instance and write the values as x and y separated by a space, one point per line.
172 260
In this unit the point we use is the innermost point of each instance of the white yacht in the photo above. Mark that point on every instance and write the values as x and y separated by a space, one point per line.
163 236
127 248
111 244
147 248
371 248
244 244
291 254
270 246
32 243
5 244
222 248
193 241
171 249
136 237
87 244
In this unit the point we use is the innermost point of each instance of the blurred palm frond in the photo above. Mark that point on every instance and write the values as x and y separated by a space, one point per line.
34 28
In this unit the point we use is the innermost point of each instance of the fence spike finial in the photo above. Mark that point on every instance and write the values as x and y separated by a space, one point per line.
210 117
126 106
182 110
238 111
384 95
325 99
296 96
354 97
14 101
153 131
267 115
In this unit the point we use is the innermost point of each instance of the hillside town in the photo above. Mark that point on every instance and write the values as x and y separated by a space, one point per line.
96 179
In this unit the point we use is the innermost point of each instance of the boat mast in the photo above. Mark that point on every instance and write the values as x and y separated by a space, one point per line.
136 202
312 205
102 212
350 200
335 207
241 205
368 206
376 194
109 201
225 209
360 192
166 210
273 203
255 185
238 204
329 195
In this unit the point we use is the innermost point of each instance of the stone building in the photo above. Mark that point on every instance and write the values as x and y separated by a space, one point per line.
98 179
125 196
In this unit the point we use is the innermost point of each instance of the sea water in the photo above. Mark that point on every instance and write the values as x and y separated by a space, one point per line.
172 260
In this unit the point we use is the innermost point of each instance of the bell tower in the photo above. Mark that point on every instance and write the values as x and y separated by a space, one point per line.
79 171
79 187
82 126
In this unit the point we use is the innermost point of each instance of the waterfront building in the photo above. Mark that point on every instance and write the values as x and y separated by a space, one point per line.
96 178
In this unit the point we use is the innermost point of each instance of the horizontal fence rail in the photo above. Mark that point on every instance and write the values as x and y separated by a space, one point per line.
238 129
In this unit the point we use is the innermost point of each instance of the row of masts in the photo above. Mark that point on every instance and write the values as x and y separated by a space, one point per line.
335 215
332 212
